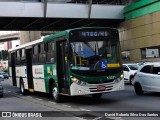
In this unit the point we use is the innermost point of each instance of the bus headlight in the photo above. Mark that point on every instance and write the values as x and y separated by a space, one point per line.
122 76
75 80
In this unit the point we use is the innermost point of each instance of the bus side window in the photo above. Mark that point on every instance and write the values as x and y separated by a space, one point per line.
18 55
42 55
35 54
50 52
23 57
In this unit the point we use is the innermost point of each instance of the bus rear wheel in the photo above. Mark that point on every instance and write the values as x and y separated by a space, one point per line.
55 94
97 95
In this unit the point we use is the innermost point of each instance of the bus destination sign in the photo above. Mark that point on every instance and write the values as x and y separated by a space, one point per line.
93 33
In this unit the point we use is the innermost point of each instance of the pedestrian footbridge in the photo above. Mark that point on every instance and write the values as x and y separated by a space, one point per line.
59 14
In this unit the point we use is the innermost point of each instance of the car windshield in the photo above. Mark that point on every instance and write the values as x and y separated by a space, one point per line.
93 55
133 67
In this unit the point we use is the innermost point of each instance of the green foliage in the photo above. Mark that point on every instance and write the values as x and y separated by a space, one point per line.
5 70
4 55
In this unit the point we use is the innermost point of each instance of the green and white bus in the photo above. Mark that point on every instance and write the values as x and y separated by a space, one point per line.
81 61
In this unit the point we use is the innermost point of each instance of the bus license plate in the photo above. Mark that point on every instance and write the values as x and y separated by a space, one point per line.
101 88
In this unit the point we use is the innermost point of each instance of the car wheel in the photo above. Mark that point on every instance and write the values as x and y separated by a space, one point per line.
138 89
55 94
97 95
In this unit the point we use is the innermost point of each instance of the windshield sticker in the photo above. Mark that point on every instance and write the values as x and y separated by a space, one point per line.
114 65
48 69
104 65
54 70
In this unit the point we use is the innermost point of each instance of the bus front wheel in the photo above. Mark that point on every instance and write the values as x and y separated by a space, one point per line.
97 95
55 94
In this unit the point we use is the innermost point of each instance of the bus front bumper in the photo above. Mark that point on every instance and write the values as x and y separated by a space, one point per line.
76 89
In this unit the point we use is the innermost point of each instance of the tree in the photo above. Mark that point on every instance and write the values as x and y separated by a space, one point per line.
3 55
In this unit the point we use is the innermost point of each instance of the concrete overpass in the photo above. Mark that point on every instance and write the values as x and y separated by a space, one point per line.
59 14
9 36
16 35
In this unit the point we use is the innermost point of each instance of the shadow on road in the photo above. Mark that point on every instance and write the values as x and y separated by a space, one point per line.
154 94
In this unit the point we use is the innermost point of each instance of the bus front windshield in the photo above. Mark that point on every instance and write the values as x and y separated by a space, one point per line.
94 55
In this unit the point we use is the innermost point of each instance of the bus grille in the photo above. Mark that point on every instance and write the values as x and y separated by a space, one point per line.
98 82
95 89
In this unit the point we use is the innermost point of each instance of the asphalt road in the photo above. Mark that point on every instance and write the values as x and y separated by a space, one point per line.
85 106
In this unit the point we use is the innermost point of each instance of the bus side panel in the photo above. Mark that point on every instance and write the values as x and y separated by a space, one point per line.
18 74
49 73
10 75
24 76
21 74
38 78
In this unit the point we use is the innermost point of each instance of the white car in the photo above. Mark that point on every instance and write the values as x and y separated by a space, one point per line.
147 78
129 71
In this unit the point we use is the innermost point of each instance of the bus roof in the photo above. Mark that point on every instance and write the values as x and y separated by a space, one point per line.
52 36
59 34
66 33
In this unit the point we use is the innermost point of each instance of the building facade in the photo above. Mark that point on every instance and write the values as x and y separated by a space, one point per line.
140 32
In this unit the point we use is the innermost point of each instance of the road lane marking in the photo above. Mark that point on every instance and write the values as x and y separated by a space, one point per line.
51 102
29 96
84 109
66 105
39 99
97 118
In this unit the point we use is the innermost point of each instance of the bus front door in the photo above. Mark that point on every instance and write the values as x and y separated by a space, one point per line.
13 69
62 67
29 69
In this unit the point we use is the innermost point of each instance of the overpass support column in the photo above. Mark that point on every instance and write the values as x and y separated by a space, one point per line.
28 36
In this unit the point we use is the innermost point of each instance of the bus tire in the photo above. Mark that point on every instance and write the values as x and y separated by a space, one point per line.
138 89
22 89
55 93
97 95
